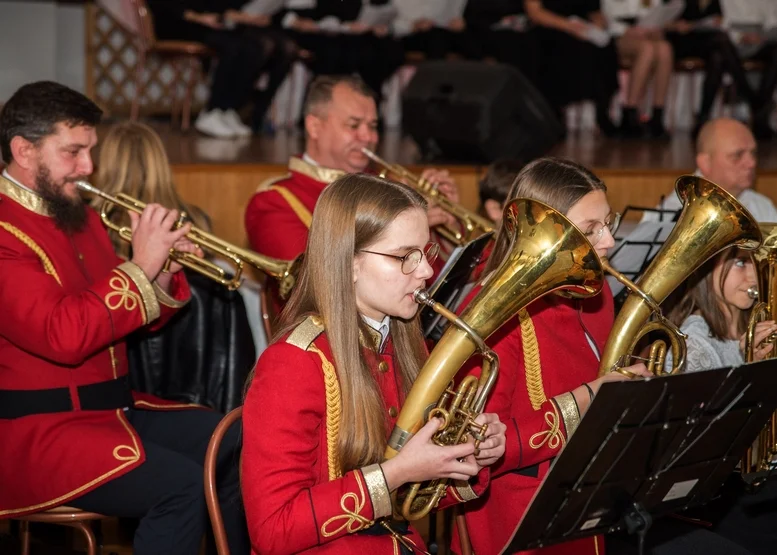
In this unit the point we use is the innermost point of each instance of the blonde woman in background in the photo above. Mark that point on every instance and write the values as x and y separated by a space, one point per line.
204 356
133 161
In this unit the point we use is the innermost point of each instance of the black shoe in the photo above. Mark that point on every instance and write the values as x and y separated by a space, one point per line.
763 131
607 127
761 128
631 127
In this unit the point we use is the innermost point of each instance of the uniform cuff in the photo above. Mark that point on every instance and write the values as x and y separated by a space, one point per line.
378 490
464 490
149 298
570 413
166 299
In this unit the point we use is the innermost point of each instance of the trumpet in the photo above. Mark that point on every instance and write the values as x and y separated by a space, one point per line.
284 271
473 225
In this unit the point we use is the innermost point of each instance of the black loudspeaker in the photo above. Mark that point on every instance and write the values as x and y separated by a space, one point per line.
477 112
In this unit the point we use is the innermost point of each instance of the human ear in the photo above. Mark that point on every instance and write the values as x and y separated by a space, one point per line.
23 152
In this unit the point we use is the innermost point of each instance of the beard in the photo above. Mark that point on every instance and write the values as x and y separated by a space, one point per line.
68 214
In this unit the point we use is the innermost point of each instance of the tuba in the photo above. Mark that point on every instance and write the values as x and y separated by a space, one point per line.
548 253
758 458
711 220
285 271
473 225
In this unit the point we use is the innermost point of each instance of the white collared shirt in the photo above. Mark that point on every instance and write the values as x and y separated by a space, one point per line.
381 327
306 158
760 206
15 182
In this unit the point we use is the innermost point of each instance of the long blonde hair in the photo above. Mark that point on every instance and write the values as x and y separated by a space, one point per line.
351 214
133 161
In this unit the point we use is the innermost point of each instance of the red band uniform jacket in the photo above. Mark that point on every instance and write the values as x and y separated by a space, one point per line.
66 302
296 497
278 216
544 354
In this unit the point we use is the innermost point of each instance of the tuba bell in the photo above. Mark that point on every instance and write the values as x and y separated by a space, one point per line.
758 458
711 220
547 253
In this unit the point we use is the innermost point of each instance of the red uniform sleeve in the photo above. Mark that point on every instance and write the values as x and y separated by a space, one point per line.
290 501
68 328
273 228
536 428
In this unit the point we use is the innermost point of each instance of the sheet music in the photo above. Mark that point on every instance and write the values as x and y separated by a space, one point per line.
593 34
635 249
660 15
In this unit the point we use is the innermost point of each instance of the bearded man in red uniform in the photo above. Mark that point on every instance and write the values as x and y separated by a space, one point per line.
78 434
341 118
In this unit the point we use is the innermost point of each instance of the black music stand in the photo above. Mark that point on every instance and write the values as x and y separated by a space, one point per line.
646 448
453 284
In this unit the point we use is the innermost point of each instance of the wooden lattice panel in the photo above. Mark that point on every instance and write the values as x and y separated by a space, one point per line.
111 57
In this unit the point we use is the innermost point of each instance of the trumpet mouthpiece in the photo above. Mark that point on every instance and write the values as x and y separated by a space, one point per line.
422 297
88 187
752 292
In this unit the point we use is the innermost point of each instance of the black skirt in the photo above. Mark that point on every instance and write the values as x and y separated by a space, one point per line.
571 69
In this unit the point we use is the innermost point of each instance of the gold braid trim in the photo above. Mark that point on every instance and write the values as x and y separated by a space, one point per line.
48 266
531 361
296 205
333 409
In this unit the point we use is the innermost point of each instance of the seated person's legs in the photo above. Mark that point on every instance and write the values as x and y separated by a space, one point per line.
166 492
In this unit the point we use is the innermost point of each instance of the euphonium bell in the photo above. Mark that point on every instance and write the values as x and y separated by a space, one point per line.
285 271
547 253
711 220
472 225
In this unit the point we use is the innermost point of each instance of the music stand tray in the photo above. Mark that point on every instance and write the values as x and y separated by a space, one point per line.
646 448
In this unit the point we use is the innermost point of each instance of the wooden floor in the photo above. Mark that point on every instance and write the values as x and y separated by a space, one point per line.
584 147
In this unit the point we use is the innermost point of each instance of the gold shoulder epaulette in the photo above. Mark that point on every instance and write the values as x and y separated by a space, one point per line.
306 332
270 181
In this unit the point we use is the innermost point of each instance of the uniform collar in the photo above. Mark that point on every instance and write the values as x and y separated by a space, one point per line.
25 196
381 330
308 167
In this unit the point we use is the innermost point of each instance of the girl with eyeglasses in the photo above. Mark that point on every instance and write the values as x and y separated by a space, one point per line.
549 360
326 393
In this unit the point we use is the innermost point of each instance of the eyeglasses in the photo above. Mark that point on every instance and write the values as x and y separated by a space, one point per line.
412 259
597 229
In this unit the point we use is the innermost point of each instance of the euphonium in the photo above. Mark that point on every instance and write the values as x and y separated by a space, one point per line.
548 253
711 220
285 271
473 225
758 458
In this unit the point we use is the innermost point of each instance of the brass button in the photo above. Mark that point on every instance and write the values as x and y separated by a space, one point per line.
393 412
383 366
316 320
80 256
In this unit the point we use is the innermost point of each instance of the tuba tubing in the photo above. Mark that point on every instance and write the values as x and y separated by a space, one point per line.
548 253
711 220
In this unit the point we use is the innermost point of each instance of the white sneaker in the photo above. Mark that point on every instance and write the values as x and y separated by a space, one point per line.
234 122
213 124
